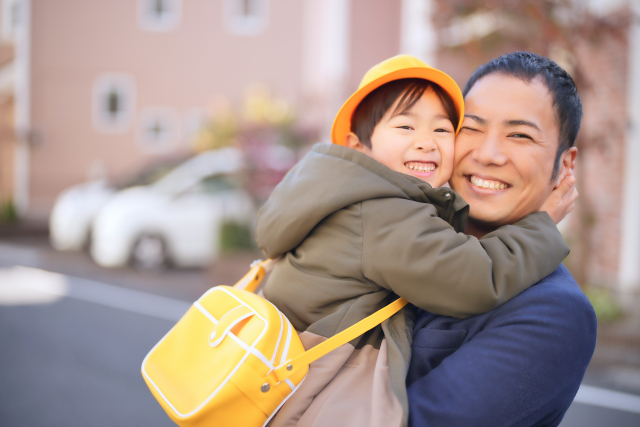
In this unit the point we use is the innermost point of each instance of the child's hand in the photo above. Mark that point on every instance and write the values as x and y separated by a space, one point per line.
562 199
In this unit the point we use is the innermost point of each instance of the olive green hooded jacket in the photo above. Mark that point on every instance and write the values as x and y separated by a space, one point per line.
353 235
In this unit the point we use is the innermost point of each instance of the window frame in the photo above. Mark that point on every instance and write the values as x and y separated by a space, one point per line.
103 84
241 25
149 23
169 143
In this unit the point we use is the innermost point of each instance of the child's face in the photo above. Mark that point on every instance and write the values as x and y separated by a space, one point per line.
418 142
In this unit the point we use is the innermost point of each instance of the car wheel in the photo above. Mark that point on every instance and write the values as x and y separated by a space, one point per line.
149 253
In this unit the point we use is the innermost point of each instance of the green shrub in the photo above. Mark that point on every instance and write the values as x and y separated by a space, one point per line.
606 307
235 237
8 212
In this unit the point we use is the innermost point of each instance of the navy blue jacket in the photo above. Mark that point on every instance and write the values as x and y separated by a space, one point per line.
518 365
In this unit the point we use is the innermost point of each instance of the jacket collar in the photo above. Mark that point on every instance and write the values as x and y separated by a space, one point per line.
450 205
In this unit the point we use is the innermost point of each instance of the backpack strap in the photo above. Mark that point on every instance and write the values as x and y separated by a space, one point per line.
352 332
252 279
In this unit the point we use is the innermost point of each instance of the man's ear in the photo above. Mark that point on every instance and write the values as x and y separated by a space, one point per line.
352 141
567 164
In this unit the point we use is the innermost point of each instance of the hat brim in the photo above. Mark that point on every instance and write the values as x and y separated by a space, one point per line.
342 123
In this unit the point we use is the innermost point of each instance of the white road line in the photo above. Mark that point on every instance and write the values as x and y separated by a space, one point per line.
126 299
596 396
45 282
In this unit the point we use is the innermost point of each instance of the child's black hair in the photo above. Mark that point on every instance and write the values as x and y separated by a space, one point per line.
376 104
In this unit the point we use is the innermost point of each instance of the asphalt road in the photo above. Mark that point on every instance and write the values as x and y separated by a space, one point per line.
71 349
75 363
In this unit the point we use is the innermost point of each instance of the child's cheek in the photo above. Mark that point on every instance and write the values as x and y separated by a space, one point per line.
446 167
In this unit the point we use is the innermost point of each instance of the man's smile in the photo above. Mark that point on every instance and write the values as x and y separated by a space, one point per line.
486 183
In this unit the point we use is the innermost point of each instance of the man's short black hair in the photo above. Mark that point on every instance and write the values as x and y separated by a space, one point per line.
566 102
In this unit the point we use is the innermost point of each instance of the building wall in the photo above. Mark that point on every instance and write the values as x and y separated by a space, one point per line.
7 134
7 143
595 234
75 41
374 36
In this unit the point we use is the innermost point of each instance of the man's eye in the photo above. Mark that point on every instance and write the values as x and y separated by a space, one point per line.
468 128
521 135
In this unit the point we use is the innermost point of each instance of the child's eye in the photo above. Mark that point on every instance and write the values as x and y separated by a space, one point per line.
442 130
407 127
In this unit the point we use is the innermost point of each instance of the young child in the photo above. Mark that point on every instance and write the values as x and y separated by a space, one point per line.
365 220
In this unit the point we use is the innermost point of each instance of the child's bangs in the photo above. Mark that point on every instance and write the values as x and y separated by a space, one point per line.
414 92
411 95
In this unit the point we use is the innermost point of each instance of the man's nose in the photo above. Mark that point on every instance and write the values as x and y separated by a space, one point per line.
490 152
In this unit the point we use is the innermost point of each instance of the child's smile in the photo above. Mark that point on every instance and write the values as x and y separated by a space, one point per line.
420 168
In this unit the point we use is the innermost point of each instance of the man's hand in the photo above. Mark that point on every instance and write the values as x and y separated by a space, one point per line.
562 200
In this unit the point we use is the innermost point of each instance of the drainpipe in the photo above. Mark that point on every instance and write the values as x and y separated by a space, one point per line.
629 267
326 57
418 37
22 108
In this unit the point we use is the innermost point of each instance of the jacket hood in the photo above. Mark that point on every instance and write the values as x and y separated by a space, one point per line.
331 177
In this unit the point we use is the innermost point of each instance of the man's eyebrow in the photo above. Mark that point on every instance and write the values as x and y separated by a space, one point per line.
520 123
478 119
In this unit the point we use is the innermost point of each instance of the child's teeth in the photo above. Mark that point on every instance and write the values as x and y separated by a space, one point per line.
421 167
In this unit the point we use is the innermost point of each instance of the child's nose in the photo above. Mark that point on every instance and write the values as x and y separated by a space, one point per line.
425 144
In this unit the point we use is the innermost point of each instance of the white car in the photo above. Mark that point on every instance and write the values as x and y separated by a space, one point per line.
177 219
73 212
76 207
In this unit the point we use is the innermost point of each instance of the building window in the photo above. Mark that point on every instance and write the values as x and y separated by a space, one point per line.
11 10
158 129
159 15
246 17
113 102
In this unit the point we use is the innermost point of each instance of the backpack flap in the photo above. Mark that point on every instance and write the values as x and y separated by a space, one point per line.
215 366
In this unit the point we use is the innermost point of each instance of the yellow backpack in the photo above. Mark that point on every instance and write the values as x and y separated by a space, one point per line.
234 358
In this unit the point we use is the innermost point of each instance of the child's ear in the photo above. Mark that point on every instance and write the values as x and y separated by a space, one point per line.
352 141
567 163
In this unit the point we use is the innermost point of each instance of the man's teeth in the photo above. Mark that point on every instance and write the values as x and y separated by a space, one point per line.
420 167
492 185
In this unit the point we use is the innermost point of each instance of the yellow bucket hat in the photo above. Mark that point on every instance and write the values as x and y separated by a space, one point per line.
396 68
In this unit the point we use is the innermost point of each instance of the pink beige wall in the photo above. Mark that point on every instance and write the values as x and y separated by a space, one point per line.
7 134
374 36
74 41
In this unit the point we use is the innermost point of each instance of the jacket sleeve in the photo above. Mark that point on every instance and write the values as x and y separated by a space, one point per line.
409 250
522 369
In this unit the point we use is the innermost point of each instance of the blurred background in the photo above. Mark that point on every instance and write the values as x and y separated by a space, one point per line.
138 138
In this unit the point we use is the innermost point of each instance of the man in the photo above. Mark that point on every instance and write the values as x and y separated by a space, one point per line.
522 363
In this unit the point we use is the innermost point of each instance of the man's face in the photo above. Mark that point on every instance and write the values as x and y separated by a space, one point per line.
505 151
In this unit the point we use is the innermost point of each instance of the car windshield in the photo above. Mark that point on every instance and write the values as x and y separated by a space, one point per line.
218 183
149 174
